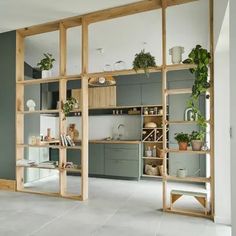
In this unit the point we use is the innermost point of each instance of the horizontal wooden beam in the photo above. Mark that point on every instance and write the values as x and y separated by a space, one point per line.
125 10
97 16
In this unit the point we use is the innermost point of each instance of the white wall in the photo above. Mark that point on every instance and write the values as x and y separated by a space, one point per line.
233 111
222 119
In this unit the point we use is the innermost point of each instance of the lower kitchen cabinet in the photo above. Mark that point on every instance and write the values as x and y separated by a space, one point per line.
96 159
122 160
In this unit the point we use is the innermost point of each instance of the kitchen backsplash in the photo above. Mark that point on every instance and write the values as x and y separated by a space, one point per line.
99 126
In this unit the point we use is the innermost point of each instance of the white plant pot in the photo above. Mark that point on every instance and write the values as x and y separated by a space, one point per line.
46 73
176 54
181 173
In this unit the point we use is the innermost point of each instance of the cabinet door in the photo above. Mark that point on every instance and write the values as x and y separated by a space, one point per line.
128 95
122 160
96 159
151 94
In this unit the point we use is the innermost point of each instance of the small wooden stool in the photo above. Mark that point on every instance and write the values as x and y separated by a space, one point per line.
200 197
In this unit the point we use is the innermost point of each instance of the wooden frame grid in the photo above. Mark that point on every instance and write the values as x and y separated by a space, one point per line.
84 21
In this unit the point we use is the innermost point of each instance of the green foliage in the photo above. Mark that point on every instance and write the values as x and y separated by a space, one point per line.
197 135
201 58
182 137
69 105
144 60
47 62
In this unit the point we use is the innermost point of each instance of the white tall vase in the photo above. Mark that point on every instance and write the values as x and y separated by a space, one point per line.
176 54
46 73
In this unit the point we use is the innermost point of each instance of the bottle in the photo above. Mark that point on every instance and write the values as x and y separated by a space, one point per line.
148 152
154 151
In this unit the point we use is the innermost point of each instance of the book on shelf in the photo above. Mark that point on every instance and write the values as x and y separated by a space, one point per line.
25 162
66 141
48 164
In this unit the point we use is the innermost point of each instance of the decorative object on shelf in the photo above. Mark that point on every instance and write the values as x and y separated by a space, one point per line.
145 111
134 111
68 106
31 105
160 153
197 138
160 168
183 140
46 64
181 173
154 151
119 65
205 147
201 58
102 81
144 60
151 111
160 112
155 109
151 169
150 125
32 140
189 115
73 132
148 152
176 54
48 136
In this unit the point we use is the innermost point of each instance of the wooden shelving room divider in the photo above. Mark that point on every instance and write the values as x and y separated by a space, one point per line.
84 21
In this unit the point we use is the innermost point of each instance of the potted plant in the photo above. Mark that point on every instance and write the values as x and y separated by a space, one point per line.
183 140
46 64
144 60
69 105
196 138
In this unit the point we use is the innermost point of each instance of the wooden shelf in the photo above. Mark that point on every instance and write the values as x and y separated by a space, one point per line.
182 122
188 212
152 176
76 170
152 141
176 67
39 112
49 80
153 158
50 146
188 179
25 190
38 167
153 128
178 91
123 72
189 151
153 115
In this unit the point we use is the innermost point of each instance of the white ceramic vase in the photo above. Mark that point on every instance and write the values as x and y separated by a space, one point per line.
176 54
46 73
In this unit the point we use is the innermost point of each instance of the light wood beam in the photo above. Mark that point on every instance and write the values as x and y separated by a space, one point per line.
63 49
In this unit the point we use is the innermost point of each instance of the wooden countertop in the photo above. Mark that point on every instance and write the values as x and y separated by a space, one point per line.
116 141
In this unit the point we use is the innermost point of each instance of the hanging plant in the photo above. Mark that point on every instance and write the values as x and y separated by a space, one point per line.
201 58
144 60
68 106
47 62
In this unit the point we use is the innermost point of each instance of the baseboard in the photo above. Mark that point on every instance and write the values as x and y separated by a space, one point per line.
222 220
6 184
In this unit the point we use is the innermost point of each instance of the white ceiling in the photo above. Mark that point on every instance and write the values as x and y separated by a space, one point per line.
121 38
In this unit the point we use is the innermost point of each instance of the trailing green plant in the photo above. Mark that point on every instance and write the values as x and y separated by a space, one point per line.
201 58
197 135
47 62
68 106
182 137
144 60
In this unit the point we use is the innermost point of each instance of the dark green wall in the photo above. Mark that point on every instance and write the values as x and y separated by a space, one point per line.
7 104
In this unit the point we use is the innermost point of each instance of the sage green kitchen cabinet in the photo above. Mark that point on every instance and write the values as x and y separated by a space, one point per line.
96 159
122 160
151 94
128 95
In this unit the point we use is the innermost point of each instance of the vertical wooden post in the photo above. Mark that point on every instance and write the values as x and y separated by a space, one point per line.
212 118
164 101
62 98
84 160
63 51
19 107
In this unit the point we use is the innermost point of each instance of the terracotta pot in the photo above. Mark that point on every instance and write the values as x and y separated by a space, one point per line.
183 146
197 145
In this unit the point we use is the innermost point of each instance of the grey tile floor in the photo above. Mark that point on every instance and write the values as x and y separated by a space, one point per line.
115 207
